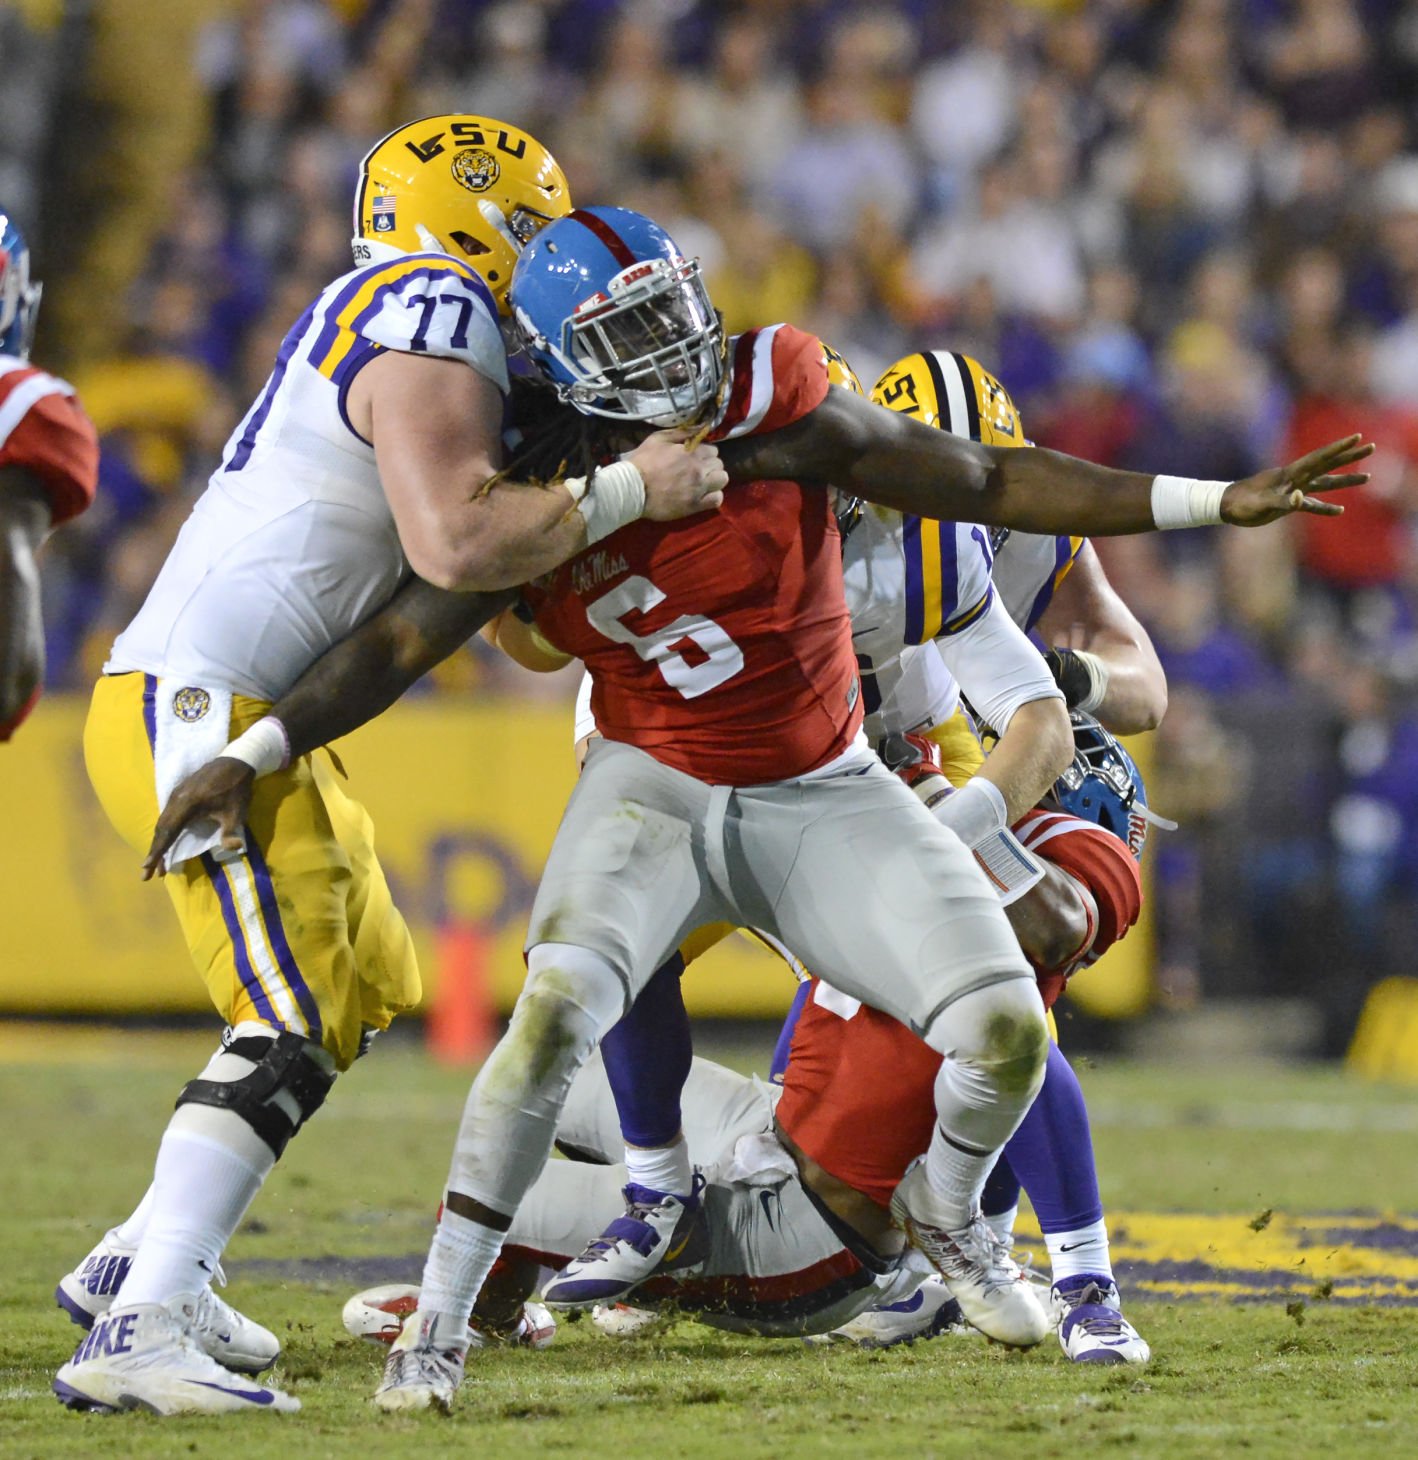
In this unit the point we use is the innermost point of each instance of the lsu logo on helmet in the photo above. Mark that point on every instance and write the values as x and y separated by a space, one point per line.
469 186
475 169
953 393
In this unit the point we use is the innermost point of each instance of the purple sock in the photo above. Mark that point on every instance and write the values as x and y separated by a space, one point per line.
1052 1154
785 1035
647 1057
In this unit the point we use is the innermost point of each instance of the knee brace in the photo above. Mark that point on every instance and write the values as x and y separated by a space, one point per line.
287 1082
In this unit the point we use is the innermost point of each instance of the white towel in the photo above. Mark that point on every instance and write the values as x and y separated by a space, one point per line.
193 726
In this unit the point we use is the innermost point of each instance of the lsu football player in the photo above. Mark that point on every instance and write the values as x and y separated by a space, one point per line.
619 321
372 451
48 474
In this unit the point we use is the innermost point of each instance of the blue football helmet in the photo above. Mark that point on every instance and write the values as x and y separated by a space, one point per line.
618 319
1104 785
19 298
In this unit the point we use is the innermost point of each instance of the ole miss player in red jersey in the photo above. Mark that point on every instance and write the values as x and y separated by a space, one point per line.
48 472
731 784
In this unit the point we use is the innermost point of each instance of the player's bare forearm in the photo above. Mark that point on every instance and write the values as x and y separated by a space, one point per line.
894 461
24 520
1031 755
1051 920
345 688
362 675
511 533
1087 615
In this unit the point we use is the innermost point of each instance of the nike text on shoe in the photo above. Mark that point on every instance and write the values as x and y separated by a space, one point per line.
976 1265
378 1314
228 1336
425 1364
145 1357
1092 1329
929 1311
658 1233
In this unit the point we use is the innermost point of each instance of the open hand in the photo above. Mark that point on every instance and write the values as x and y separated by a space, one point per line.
1282 490
221 790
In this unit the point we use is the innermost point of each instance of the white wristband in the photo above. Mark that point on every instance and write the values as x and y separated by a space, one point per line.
613 497
975 811
265 747
1098 673
1185 502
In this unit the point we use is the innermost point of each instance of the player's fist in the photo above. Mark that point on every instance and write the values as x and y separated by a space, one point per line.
1286 489
916 760
680 479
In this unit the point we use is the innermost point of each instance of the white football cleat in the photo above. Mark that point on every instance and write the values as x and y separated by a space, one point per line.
974 1260
425 1365
146 1357
1092 1330
927 1312
228 1336
621 1320
657 1233
378 1314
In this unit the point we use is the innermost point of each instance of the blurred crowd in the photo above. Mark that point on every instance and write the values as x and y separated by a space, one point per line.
1184 234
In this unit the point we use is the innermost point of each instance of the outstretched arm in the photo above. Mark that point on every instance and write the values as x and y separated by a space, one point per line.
351 683
871 452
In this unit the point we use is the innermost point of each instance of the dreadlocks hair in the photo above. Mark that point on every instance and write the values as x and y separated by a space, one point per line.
554 440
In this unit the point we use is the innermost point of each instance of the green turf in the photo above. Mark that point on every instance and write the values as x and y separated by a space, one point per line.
363 1179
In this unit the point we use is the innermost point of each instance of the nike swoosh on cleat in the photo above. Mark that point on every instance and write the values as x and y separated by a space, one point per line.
254 1396
673 1252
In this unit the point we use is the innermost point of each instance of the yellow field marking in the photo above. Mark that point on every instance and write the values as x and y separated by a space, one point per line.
1176 1254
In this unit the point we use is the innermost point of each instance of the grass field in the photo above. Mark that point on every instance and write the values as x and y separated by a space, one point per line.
1264 1219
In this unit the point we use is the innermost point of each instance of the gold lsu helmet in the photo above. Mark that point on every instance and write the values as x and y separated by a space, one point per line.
839 372
953 393
468 186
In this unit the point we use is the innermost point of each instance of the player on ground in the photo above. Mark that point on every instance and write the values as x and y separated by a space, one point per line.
48 473
373 449
801 1235
751 614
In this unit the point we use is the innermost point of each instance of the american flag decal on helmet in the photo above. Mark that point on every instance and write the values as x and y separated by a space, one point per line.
383 208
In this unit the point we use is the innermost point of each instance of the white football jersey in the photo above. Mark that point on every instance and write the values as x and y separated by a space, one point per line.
909 581
293 545
1029 566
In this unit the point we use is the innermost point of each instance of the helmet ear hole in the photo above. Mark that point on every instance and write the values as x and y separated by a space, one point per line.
468 243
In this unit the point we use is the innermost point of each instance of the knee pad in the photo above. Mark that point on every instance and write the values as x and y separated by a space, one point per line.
286 1082
1001 1028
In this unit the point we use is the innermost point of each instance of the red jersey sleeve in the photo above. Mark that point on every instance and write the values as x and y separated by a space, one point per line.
51 438
1099 860
778 376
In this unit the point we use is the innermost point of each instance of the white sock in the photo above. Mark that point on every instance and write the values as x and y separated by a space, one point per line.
459 1261
1002 1223
1083 1251
130 1233
956 1179
661 1168
204 1181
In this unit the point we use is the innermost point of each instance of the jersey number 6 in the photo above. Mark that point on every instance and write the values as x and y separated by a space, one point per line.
723 658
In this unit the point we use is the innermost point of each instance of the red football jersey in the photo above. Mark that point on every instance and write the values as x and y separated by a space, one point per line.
858 1093
721 644
43 428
